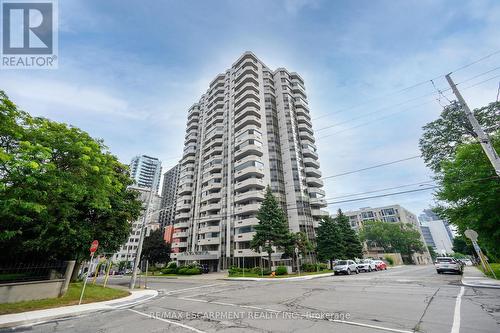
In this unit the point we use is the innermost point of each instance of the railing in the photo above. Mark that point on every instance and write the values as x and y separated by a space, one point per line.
21 272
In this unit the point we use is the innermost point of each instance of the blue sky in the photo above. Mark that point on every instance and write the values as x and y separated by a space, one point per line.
129 70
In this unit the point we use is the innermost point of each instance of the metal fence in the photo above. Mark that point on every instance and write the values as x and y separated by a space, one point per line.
38 271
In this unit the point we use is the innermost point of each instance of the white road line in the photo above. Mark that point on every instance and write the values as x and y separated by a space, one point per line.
369 326
186 289
168 321
456 316
303 315
210 292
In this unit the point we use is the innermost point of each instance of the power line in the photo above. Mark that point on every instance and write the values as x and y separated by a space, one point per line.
372 167
405 110
409 87
439 93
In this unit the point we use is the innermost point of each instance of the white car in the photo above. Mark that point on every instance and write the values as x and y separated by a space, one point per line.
345 267
448 264
367 265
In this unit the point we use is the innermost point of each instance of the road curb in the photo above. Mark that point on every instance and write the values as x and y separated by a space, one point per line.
45 315
295 278
468 284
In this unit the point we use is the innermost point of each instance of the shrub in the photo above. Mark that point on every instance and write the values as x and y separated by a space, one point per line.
257 270
322 266
308 267
389 260
168 270
281 270
172 264
186 270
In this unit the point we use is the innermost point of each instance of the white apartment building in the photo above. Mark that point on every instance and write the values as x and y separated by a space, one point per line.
127 251
252 128
169 196
146 172
390 214
442 239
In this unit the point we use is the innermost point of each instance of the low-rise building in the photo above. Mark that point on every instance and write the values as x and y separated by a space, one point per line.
389 214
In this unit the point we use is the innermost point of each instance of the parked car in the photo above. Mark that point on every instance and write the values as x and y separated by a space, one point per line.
448 264
366 265
380 265
345 267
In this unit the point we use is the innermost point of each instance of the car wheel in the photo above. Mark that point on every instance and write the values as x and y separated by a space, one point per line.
385 268
357 271
439 272
369 269
348 272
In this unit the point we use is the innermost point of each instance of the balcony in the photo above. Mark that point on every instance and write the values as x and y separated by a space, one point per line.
212 186
180 225
209 241
184 190
204 230
319 212
188 159
249 171
210 207
179 245
305 128
246 253
245 87
250 182
307 152
181 207
318 202
311 162
258 195
319 192
211 217
245 209
312 172
211 197
184 215
247 150
245 237
211 176
306 135
314 182
180 234
246 74
246 222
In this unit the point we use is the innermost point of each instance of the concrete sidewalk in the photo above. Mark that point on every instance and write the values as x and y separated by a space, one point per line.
38 316
473 277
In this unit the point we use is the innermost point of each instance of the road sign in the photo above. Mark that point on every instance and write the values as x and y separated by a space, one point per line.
471 234
94 246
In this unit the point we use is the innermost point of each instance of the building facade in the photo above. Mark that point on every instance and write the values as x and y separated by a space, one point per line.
442 238
169 196
251 129
389 214
146 172
127 251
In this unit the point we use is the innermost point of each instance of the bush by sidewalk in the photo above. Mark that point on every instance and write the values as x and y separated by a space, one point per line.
495 267
93 293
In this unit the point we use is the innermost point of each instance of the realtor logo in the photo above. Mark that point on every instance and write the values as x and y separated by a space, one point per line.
29 34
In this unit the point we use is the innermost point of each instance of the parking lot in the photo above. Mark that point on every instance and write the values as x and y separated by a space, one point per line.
404 299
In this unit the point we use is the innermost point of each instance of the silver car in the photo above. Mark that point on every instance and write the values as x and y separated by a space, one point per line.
367 265
345 267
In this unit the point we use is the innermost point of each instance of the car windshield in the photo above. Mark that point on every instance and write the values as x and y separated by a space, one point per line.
444 260
366 261
342 262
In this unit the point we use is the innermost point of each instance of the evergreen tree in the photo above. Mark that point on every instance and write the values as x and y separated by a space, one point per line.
155 249
328 239
351 244
272 230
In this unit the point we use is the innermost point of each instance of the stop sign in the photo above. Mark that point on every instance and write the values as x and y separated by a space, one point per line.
94 246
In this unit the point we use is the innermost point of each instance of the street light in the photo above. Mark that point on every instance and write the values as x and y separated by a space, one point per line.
141 239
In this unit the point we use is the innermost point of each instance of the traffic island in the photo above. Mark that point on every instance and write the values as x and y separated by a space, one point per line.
287 277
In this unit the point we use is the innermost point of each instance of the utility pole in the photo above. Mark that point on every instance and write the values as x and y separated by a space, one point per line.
141 240
482 137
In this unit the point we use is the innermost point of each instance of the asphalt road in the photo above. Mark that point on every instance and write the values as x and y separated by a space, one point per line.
405 299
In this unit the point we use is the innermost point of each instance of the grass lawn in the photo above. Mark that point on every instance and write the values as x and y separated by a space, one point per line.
93 293
495 267
279 276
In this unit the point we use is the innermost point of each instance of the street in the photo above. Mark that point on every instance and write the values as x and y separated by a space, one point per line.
402 299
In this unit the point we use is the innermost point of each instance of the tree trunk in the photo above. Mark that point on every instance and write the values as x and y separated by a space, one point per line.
331 263
76 269
269 257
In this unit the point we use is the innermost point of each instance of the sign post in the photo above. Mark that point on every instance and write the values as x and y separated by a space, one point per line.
93 248
472 235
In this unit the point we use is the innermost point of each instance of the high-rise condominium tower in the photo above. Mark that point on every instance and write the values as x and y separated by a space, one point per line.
146 172
251 129
169 196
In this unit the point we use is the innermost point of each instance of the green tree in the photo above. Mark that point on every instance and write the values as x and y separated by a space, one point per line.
469 194
442 136
300 241
393 237
272 230
350 241
462 245
59 190
329 245
155 249
432 252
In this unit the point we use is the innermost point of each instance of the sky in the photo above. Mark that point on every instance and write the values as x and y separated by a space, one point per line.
129 71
